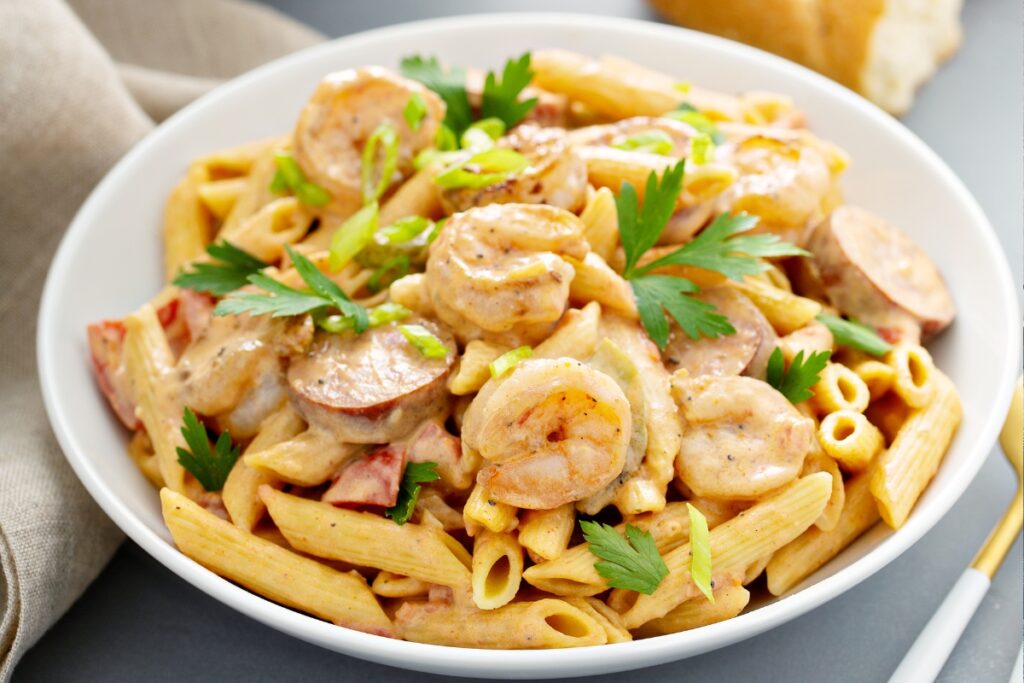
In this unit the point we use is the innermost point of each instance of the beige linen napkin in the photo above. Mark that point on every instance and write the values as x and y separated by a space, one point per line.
80 83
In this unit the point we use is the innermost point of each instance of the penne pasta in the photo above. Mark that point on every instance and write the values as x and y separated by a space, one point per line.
914 373
150 366
818 461
268 569
738 543
786 312
546 533
521 625
307 459
140 449
389 585
575 337
850 438
601 223
497 569
481 510
605 616
877 375
730 600
474 367
364 539
219 196
904 470
266 231
812 549
595 281
840 388
241 489
188 224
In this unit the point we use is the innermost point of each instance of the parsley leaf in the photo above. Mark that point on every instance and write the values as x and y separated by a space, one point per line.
631 562
229 271
501 98
416 473
210 468
700 552
855 335
282 300
717 248
796 382
695 317
449 83
640 229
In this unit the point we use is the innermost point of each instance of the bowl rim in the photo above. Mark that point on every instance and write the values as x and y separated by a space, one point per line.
517 663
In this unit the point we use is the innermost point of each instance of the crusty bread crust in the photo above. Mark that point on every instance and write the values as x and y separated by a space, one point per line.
836 38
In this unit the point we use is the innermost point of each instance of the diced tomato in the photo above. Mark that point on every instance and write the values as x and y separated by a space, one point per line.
106 343
371 480
183 319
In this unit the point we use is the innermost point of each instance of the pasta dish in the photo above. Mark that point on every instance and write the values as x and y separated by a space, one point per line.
567 353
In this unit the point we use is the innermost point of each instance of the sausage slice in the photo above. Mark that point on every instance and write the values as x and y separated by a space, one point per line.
743 353
369 388
875 273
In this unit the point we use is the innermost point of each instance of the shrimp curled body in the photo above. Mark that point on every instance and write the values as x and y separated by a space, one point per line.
343 112
552 431
496 272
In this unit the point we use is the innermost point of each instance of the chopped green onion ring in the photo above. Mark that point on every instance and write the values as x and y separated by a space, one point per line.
415 110
424 341
385 137
653 141
508 360
702 149
483 169
353 235
700 552
405 229
398 265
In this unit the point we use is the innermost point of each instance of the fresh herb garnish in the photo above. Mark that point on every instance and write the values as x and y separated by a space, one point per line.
702 149
289 176
386 138
652 141
281 300
508 360
483 169
855 335
416 473
352 236
209 467
424 341
796 382
449 83
229 270
688 114
501 98
700 552
415 110
631 562
381 315
716 248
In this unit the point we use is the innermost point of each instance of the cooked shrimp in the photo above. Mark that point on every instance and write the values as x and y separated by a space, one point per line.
496 273
343 113
784 179
742 437
552 431
557 175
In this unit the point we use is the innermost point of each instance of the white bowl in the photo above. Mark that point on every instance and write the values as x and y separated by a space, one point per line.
110 262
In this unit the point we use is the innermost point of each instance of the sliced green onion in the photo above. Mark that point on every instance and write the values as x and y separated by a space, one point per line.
405 229
415 110
278 185
653 141
483 169
289 176
398 266
508 360
388 313
493 126
476 140
424 341
702 149
386 137
700 552
312 195
381 315
353 235
445 139
855 335
689 115
683 86
289 169
436 230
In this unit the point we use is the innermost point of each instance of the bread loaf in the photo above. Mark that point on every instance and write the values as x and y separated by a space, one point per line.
883 49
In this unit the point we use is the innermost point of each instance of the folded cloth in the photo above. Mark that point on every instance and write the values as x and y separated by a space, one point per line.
80 83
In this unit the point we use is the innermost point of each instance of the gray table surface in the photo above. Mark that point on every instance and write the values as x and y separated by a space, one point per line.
139 622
